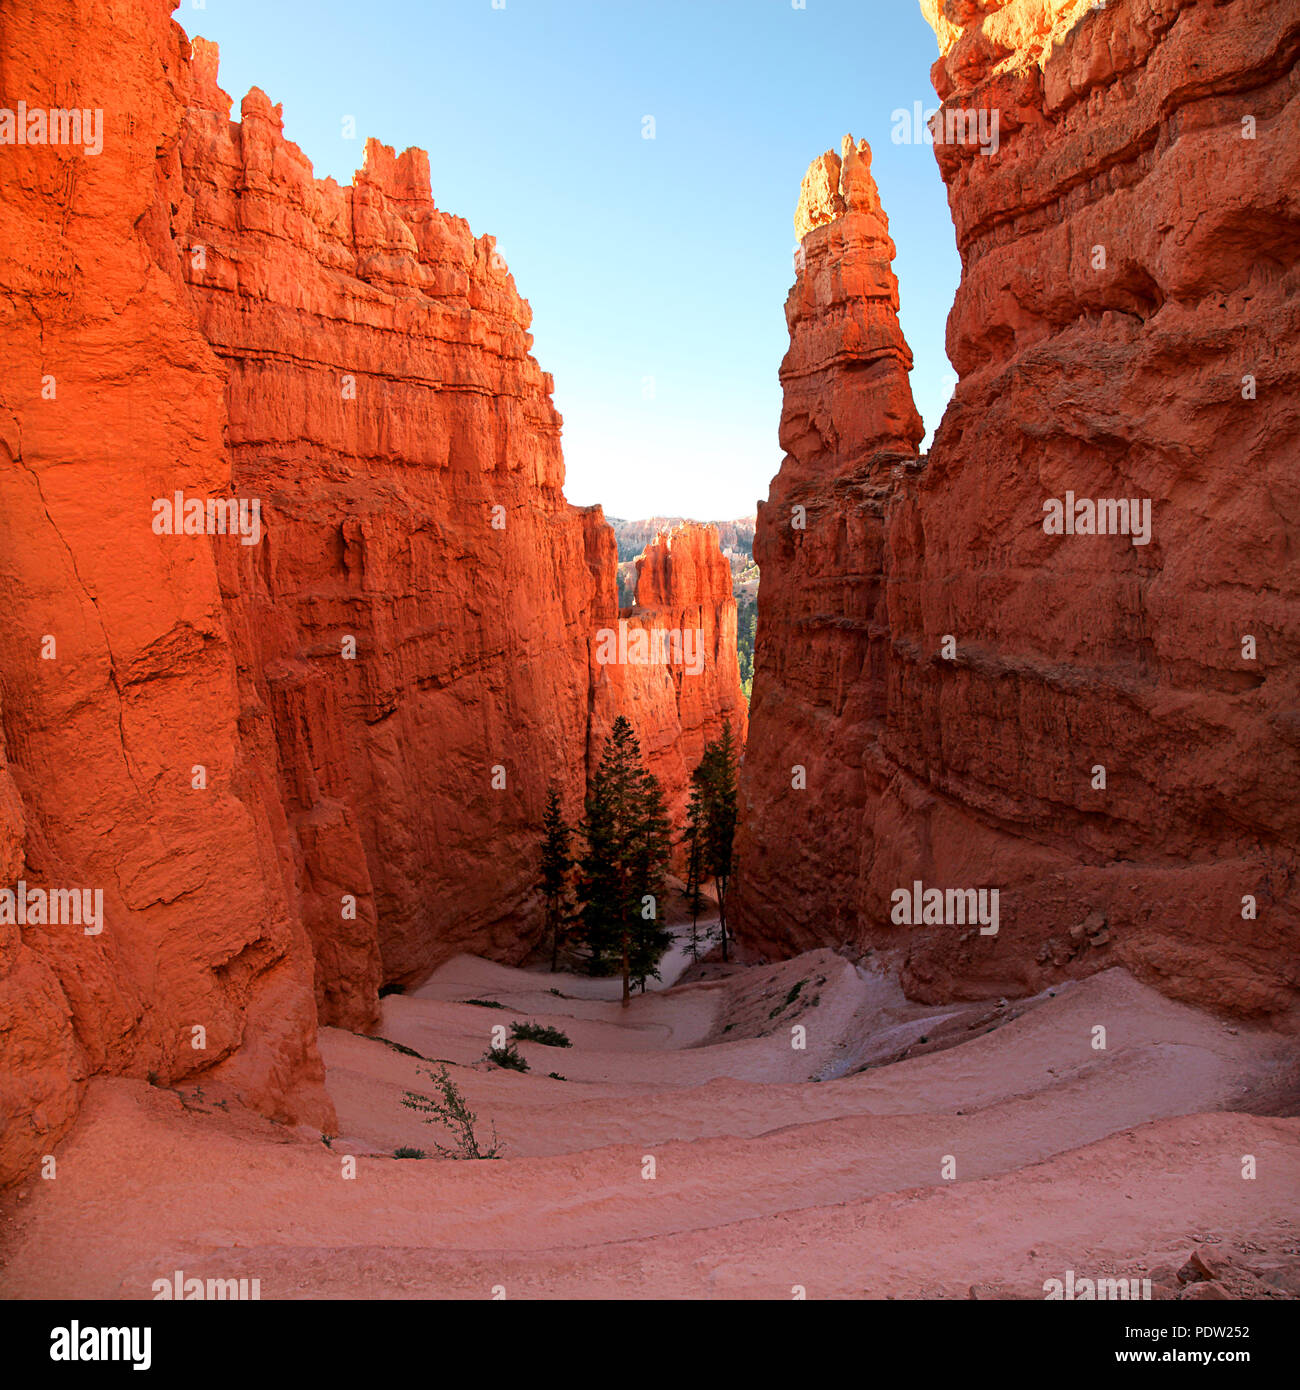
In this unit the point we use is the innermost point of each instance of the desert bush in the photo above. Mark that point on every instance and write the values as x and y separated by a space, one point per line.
507 1057
450 1109
539 1033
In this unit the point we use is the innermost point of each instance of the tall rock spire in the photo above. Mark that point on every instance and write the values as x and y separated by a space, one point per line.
845 377
848 422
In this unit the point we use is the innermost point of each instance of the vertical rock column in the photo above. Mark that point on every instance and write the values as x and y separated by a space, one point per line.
849 425
120 702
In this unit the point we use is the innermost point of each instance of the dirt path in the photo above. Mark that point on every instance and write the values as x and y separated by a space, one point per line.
1065 1155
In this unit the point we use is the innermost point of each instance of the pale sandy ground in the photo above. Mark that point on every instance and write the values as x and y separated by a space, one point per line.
775 1166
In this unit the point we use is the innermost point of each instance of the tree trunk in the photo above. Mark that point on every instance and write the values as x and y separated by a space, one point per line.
627 989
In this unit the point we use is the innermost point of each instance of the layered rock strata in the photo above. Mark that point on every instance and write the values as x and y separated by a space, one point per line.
300 747
1102 726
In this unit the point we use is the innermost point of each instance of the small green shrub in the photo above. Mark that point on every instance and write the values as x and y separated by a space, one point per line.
450 1109
484 1003
789 999
507 1057
539 1033
409 1153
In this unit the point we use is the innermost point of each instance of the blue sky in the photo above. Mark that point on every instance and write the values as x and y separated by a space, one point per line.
657 270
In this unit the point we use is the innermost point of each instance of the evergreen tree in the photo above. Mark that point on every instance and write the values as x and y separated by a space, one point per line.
695 899
601 889
719 806
556 864
624 863
648 936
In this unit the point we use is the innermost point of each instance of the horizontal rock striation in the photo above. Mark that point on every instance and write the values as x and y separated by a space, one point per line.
415 628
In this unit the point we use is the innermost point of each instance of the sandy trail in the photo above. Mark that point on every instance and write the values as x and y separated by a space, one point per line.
764 1178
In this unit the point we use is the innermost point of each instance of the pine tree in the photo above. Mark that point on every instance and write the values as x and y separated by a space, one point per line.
695 899
601 888
648 936
556 864
720 803
626 834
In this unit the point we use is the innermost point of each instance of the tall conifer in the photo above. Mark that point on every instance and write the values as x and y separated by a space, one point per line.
556 864
622 869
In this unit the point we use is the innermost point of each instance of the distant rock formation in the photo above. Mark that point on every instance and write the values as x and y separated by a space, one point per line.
951 673
684 598
634 536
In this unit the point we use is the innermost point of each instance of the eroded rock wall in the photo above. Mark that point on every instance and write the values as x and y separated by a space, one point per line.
1126 327
304 766
117 665
416 623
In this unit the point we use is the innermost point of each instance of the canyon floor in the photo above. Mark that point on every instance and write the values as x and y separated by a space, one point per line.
775 1168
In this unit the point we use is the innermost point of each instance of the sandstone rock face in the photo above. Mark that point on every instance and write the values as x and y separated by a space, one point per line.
308 764
416 627
118 671
848 421
634 536
1126 327
845 377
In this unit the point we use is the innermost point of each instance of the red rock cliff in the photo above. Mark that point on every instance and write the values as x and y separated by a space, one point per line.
303 766
118 669
384 407
1126 327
